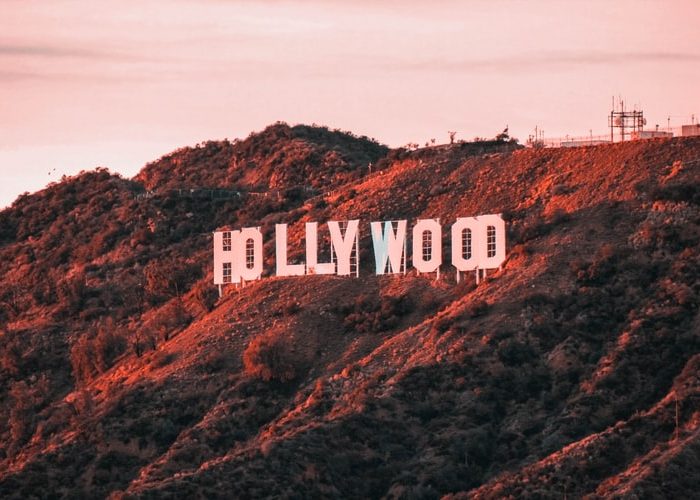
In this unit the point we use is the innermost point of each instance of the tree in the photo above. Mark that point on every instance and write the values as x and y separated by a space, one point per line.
82 357
205 296
142 338
170 318
26 400
109 344
10 352
503 136
270 357
71 292
91 355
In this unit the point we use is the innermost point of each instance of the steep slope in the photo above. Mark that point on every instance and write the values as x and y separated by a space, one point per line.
572 371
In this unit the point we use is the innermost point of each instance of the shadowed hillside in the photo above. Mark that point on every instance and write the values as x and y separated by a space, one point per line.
572 371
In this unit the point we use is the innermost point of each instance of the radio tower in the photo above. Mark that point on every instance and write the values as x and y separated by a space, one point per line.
625 121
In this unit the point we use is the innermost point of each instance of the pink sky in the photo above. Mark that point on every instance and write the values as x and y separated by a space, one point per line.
117 84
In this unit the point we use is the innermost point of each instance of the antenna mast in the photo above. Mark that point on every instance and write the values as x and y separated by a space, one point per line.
625 121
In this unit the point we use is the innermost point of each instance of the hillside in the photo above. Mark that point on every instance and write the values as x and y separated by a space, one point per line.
280 157
571 372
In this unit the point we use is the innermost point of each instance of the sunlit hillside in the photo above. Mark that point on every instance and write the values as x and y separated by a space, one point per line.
571 371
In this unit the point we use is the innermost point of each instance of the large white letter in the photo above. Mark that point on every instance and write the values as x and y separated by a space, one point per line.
342 246
478 242
283 268
312 264
466 233
389 246
254 271
493 244
427 242
225 258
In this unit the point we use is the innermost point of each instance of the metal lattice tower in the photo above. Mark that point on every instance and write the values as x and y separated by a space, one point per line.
626 122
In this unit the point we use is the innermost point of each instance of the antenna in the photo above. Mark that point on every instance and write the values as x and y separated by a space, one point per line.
627 122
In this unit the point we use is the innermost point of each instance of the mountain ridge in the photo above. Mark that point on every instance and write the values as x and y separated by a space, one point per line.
123 375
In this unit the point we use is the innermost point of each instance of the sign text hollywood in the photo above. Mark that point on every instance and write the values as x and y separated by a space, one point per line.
477 243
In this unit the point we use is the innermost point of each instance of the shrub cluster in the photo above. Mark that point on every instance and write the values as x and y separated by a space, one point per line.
94 354
271 356
373 314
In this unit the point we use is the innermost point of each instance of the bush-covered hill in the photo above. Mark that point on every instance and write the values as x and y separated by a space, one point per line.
279 158
573 371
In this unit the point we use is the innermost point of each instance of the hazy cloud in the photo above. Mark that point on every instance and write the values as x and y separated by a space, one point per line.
13 76
48 51
89 77
533 62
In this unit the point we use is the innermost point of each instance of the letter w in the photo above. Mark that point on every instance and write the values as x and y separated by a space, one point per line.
389 246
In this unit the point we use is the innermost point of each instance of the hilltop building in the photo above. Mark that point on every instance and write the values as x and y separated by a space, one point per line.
690 130
650 134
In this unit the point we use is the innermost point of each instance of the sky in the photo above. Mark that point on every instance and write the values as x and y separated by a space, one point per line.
88 83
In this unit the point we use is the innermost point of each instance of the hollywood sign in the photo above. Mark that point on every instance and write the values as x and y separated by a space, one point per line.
477 244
